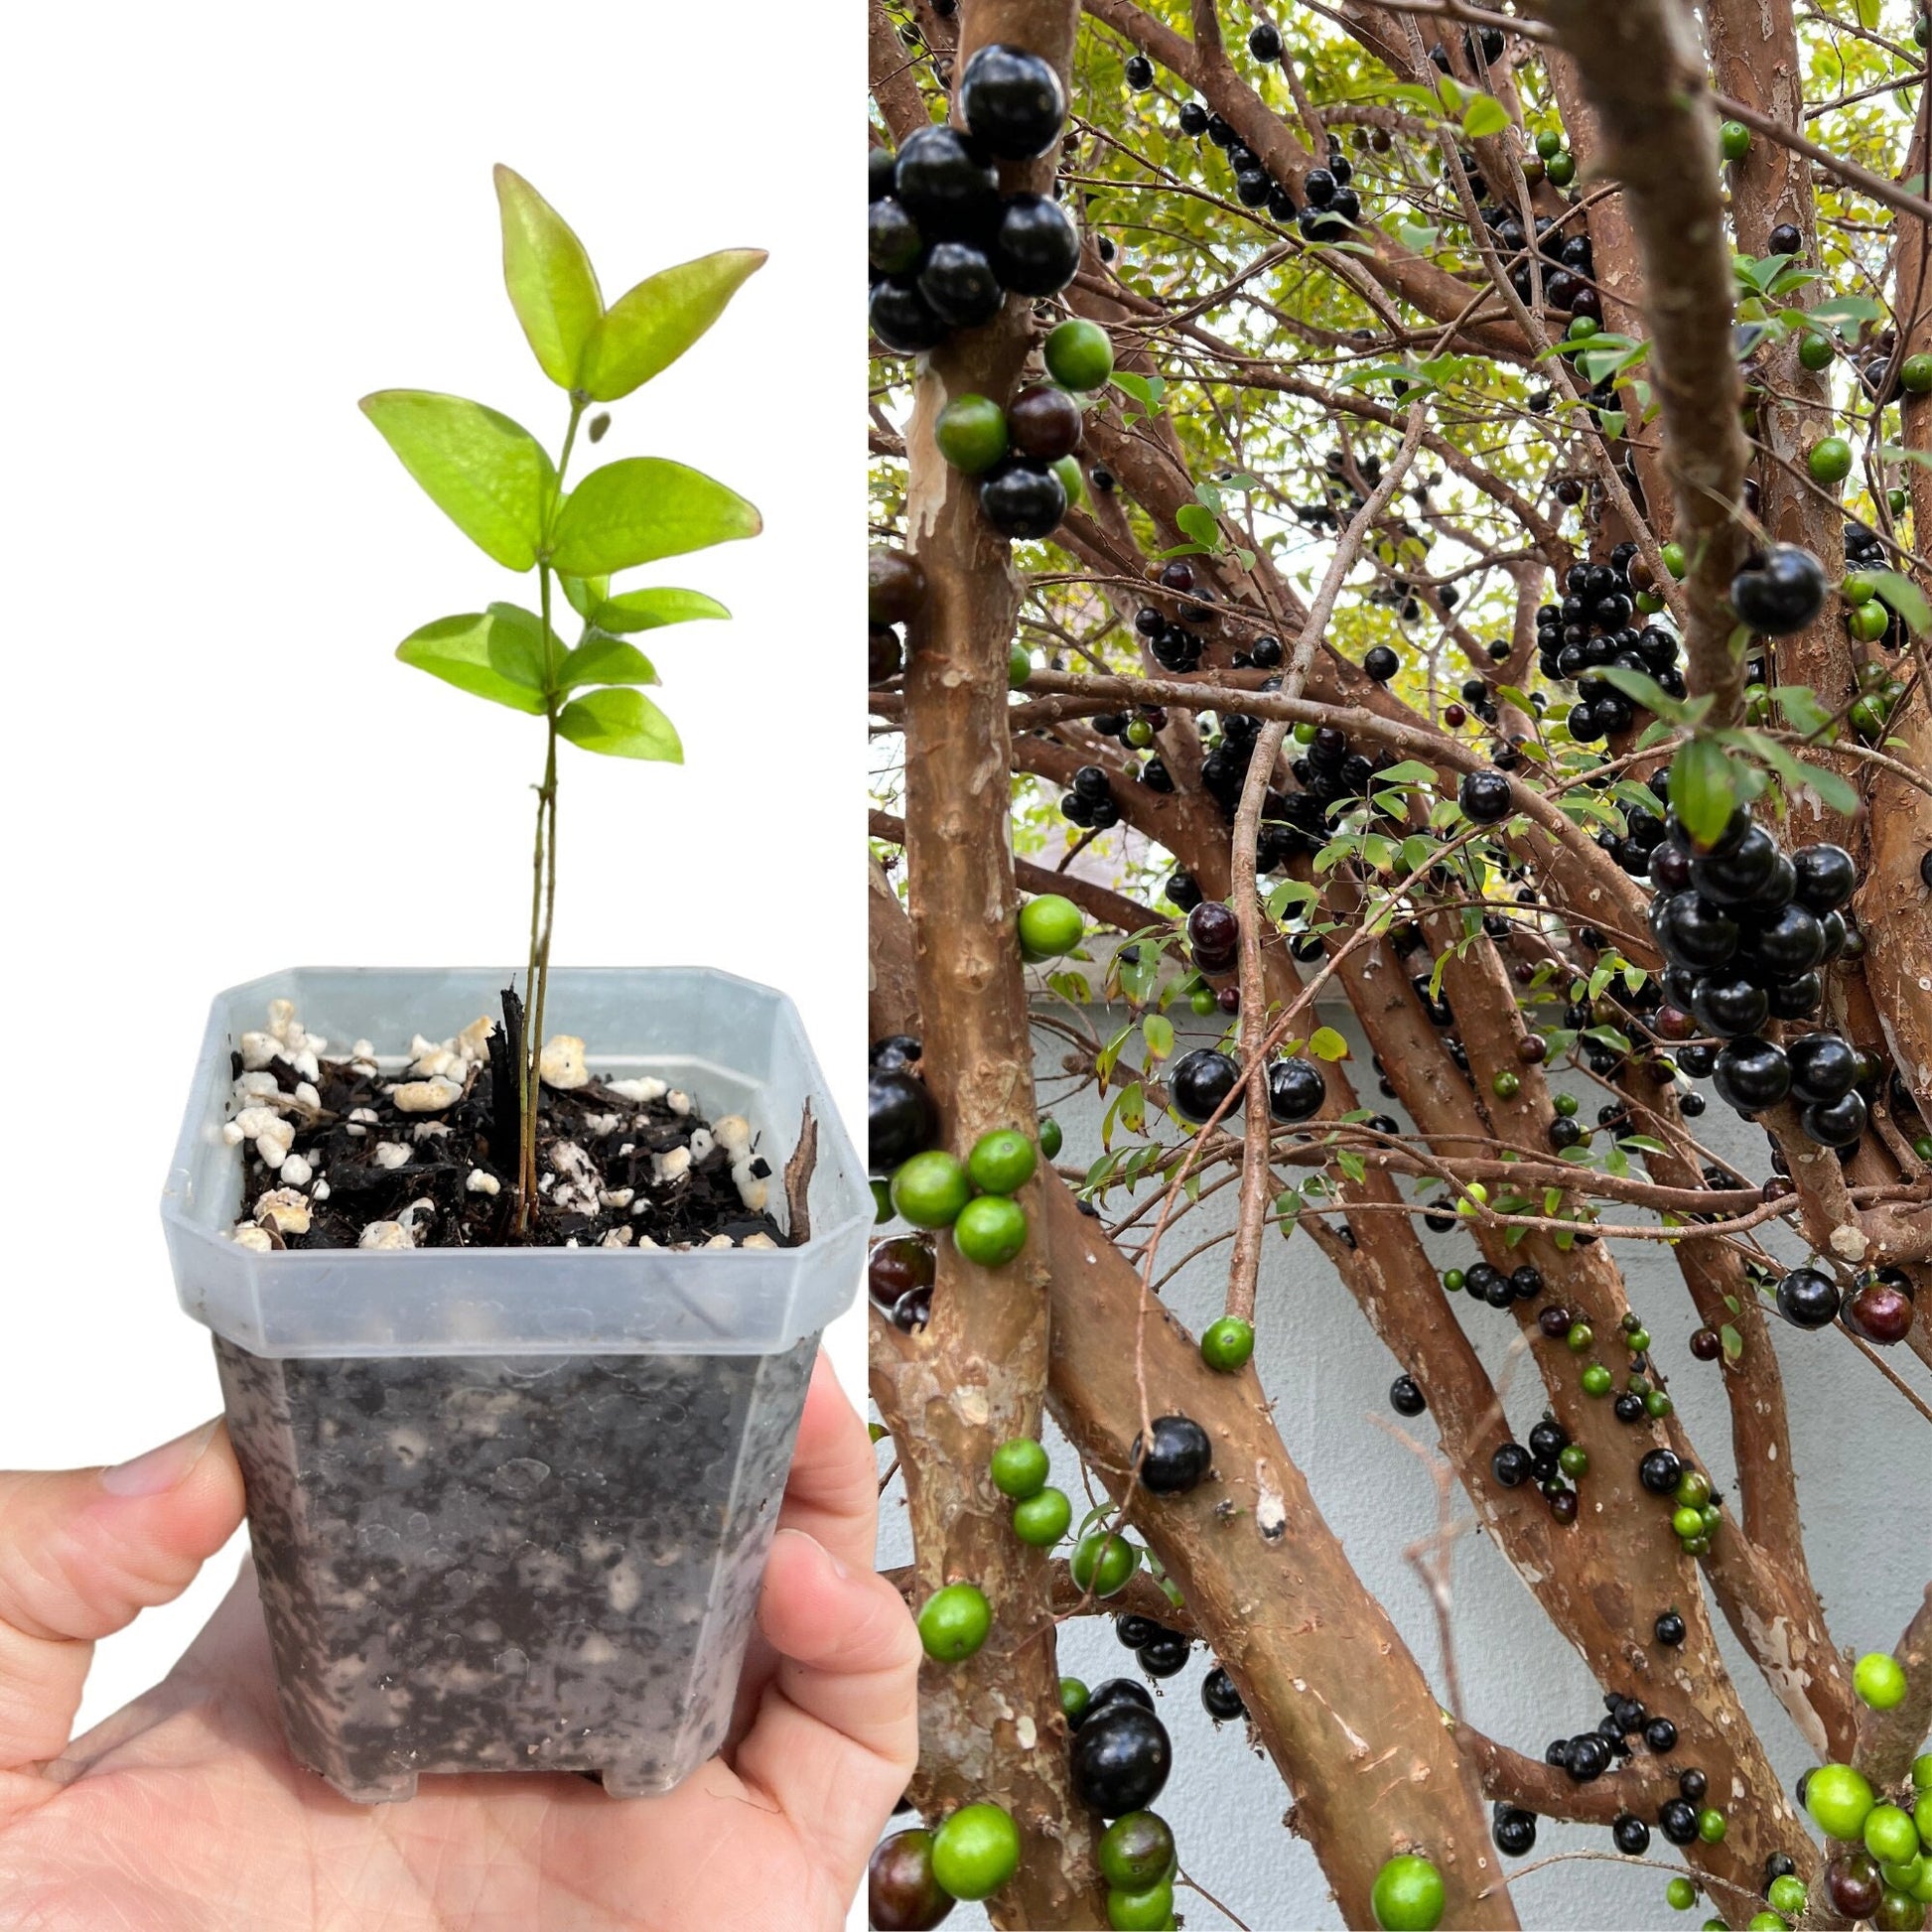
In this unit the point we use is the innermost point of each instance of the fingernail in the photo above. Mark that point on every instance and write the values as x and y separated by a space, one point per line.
161 1469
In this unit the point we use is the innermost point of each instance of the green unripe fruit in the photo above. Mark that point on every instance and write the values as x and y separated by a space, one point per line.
1734 139
930 1189
1050 1136
1649 602
1682 1894
1657 1405
1227 1345
1889 1835
1020 667
1135 1851
990 1230
1049 925
1019 1467
1878 1680
1636 1339
1922 1816
1475 1197
1075 1697
1139 734
1566 1105
1765 1922
1079 356
1698 1545
1142 1911
1711 1825
1816 353
1867 715
1922 1771
1202 1001
1305 734
1103 1560
1869 621
1896 502
1694 1489
1830 460
1596 1379
1857 587
1506 1085
1787 1895
1041 1521
1574 1460
1583 328
1002 1161
971 433
975 1852
1674 560
954 1623
1687 1523
1072 480
1915 374
1408 1895
1839 1800
1561 170
1453 1280
1902 1878
1580 1338
1549 145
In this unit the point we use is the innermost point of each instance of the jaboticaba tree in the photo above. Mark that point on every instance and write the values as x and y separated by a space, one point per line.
1423 512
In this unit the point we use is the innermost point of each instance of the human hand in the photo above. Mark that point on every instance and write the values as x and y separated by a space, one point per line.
184 1813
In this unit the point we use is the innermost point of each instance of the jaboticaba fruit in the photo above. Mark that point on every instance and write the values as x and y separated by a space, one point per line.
1691 932
895 586
901 317
1176 1457
1036 248
1265 41
1022 500
1484 796
1012 101
901 1119
959 285
1120 1758
1751 1074
1295 1090
950 190
1826 876
1200 1081
1219 1698
1660 1471
1808 1299
892 239
1780 593
1044 421
881 165
1823 1067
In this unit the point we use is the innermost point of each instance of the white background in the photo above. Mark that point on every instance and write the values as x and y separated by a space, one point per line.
225 223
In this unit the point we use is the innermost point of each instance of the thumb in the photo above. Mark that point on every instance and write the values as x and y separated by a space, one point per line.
82 1552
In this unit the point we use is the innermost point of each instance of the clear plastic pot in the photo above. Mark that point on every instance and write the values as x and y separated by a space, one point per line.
509 1507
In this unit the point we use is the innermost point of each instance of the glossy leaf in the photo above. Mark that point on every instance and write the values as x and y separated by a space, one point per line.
551 283
621 723
650 325
1328 1044
1485 115
460 651
516 646
602 659
1703 788
488 474
649 610
643 508
586 594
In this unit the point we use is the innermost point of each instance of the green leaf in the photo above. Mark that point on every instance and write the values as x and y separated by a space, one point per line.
1485 115
621 723
1733 1343
1328 1044
643 508
1158 1031
1197 521
647 327
488 474
651 609
586 594
552 286
604 659
1703 788
1645 690
482 654
1905 598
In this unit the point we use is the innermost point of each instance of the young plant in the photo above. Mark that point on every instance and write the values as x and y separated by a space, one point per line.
502 490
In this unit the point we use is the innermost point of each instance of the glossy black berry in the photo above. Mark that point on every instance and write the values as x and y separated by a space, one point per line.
1632 1834
1590 1756
1166 1653
880 164
959 285
1824 1066
1013 101
951 191
1835 1123
1120 1758
1679 1819
1484 796
1660 1734
1781 593
901 1119
1404 1398
1023 501
1035 248
1115 1691
1510 1464
901 316
1193 119
892 237
1134 1631
1785 239
1750 1075
1668 1629
1514 1830
1139 71
1219 1698
1808 1299
1381 663
1178 1456
1200 1081
1295 1090
1660 1471
1265 41
1827 877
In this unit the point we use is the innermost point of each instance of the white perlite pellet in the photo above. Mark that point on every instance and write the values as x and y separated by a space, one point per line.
644 1091
390 1154
285 1209
432 1096
384 1234
562 1063
483 1183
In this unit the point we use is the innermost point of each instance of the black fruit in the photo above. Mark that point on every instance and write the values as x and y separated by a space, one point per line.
1176 1458
951 191
1823 1067
902 319
1013 101
1826 876
1751 1074
1791 942
1660 1471
892 239
1691 932
1139 71
1510 1464
1295 1090
1166 1653
1669 1629
1381 663
1200 1081
1632 1835
1134 1631
1022 501
1514 1830
1037 247
1660 1734
1265 41
1739 874
1679 1819
901 1119
1484 796
1219 1698
1116 1690
1120 1760
1808 1299
1785 591
1835 1123
1729 1006
1404 1398
881 163
959 285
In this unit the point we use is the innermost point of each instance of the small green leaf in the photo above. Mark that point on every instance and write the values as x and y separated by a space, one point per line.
1328 1044
1646 690
1196 520
1158 1031
488 474
1733 1343
604 659
652 608
553 288
1351 1163
459 651
643 508
647 327
1485 115
1703 788
621 723
586 594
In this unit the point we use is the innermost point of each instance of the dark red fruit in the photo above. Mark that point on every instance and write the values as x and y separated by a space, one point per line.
1044 421
895 1268
1879 1312
901 1894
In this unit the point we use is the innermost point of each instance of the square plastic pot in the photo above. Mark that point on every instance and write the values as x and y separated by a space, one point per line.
510 1507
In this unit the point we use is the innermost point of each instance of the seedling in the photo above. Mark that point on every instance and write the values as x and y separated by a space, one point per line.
502 490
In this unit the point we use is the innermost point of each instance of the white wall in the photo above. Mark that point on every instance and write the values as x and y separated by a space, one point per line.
1327 1375
225 223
